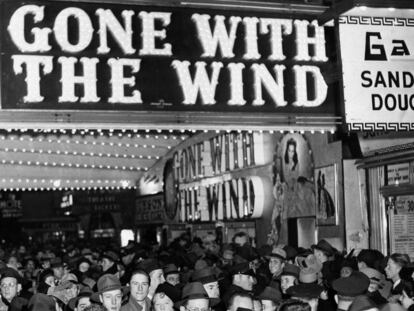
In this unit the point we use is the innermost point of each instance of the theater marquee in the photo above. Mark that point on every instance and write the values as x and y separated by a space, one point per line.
377 51
67 56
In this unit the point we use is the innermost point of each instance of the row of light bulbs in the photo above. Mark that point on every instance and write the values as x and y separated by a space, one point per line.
74 153
76 165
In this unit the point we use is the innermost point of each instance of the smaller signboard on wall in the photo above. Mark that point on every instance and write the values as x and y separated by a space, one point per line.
150 209
402 226
398 173
10 205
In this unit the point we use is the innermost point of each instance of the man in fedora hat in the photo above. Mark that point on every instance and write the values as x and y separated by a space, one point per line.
207 277
171 274
270 298
108 262
306 292
289 277
110 292
139 285
277 260
10 287
194 297
243 281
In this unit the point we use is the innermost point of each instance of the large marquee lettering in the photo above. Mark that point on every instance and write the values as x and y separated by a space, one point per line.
88 56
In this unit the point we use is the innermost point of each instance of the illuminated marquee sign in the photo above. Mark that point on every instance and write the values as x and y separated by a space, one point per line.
216 179
85 56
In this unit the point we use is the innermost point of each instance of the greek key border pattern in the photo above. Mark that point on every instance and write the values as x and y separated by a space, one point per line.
376 20
381 126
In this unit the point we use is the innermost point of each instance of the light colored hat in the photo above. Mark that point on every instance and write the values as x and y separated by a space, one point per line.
70 277
278 252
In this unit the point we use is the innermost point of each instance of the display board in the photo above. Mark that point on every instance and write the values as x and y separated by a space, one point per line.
402 226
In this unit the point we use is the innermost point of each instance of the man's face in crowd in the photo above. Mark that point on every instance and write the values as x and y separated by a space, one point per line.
157 277
106 264
139 285
244 281
84 267
212 289
58 272
268 305
173 278
162 302
72 292
241 302
83 303
9 288
275 265
112 300
320 256
286 281
200 304
240 240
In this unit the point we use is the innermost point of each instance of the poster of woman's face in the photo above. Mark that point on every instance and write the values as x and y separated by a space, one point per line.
296 156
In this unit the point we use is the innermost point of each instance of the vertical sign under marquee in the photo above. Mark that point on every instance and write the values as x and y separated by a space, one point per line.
402 226
377 52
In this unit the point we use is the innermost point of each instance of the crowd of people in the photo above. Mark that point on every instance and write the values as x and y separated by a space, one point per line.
202 275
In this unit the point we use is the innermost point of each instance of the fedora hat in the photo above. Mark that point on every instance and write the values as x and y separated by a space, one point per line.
111 256
106 283
205 275
170 269
56 262
290 269
278 252
308 275
325 247
270 293
195 290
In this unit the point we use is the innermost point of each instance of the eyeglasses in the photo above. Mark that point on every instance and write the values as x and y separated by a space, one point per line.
7 285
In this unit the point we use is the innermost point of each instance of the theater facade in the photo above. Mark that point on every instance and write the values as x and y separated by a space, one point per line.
218 118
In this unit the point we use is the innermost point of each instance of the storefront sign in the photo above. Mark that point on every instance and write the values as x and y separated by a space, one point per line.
87 56
149 209
378 70
211 180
